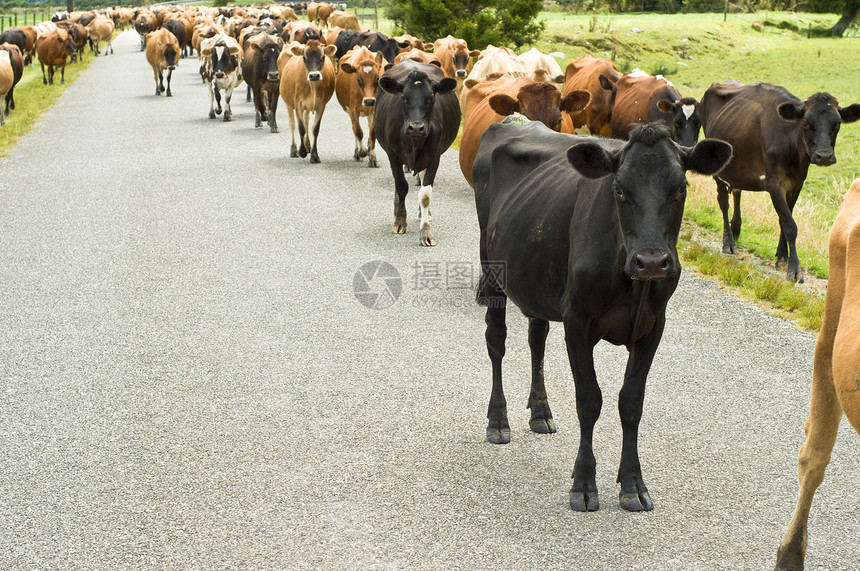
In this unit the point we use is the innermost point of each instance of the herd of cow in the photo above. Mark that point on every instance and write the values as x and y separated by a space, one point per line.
584 227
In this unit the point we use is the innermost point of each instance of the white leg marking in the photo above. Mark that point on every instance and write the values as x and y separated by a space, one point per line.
424 201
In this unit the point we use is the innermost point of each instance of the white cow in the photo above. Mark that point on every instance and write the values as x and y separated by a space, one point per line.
221 70
541 67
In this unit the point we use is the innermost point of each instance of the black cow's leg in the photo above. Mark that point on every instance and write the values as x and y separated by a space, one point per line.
788 237
212 91
63 74
371 143
228 112
589 401
498 429
217 94
273 110
303 132
736 215
44 79
401 187
169 75
248 94
541 420
634 494
729 246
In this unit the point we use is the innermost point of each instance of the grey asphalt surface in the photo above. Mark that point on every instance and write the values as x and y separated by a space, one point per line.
187 380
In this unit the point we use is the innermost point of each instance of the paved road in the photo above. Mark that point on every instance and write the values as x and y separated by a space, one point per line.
187 380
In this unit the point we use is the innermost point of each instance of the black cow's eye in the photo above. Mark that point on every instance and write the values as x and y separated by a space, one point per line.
619 194
429 100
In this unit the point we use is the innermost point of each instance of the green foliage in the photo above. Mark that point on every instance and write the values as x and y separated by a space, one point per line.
479 22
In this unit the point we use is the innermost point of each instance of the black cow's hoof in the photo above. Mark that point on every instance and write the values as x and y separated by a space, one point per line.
794 276
372 163
228 117
498 435
635 502
542 425
315 159
273 129
584 502
730 249
211 114
303 152
399 227
789 558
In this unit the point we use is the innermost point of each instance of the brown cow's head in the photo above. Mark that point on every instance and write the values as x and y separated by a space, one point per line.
366 68
461 56
540 102
820 116
314 56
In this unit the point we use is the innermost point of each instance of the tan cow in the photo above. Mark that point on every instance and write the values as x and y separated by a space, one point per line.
345 20
100 30
835 374
324 11
492 101
597 76
307 84
416 55
53 50
162 53
541 67
455 57
356 86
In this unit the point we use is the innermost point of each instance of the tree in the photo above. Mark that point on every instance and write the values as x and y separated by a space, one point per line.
849 13
479 22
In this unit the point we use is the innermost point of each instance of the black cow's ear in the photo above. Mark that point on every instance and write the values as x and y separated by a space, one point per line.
447 84
591 160
390 84
436 62
606 83
708 157
790 111
850 114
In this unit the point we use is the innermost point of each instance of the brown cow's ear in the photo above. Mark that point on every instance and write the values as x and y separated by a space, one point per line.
504 104
591 160
850 114
606 83
346 67
206 52
234 50
558 79
474 53
666 106
329 50
379 58
791 112
471 82
575 101
297 50
708 157
445 85
429 47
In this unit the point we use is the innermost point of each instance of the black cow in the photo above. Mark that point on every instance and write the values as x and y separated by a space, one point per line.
15 37
416 119
177 28
260 72
775 136
583 231
372 40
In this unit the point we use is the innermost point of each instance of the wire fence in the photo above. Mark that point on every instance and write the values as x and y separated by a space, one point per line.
23 19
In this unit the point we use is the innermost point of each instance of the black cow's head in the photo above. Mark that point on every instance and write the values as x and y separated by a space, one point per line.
820 117
270 48
391 49
418 93
650 189
686 122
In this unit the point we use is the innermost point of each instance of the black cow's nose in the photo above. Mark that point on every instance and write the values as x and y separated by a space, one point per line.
219 74
823 158
368 102
651 266
416 129
314 76
273 76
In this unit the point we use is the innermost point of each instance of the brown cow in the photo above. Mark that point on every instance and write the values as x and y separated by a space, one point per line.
312 9
29 52
54 50
324 11
16 60
79 35
100 30
356 86
144 23
162 53
418 55
597 76
643 98
493 62
412 41
307 84
492 101
834 374
455 57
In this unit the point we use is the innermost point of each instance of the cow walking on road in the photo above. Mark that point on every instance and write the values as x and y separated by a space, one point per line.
583 231
834 375
221 56
416 119
162 53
